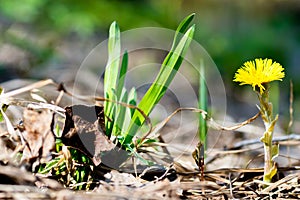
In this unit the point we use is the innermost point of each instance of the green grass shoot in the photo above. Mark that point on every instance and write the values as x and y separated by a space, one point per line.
166 74
124 122
111 75
202 104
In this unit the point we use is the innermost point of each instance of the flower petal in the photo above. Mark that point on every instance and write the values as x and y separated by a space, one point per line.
258 72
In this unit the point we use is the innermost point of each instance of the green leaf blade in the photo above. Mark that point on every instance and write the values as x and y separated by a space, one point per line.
120 114
132 100
181 29
166 74
112 71
122 75
202 104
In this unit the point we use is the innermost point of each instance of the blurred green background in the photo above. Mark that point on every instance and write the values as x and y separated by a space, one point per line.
37 34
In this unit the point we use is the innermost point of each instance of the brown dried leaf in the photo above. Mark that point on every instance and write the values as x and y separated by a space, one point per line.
84 130
37 134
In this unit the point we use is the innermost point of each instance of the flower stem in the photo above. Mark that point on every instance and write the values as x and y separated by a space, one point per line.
266 110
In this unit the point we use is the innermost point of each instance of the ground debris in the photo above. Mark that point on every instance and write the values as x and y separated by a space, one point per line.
38 135
239 184
86 123
126 186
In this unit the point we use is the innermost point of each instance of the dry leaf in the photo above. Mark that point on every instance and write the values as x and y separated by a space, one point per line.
37 134
84 130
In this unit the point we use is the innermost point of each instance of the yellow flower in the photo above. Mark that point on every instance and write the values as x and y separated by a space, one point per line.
258 73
